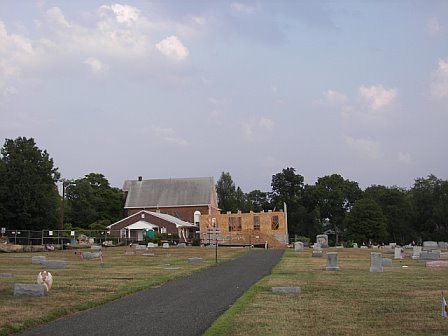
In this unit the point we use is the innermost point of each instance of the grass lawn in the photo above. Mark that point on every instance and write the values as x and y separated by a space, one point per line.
352 301
88 283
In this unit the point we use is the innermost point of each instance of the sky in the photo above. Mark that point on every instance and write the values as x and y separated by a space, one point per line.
176 88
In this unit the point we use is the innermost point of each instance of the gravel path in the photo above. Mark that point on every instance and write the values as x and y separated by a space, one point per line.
186 306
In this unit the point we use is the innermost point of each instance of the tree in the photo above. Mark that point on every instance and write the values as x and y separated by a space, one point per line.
91 200
29 199
429 201
226 190
397 212
287 187
258 201
336 197
366 222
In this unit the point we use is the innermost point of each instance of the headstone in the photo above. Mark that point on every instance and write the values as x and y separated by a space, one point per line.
332 261
416 250
355 245
392 245
298 247
387 262
139 247
129 253
376 264
30 290
45 278
429 255
317 252
430 245
166 245
443 245
194 260
6 275
151 245
322 240
398 253
437 263
182 245
286 290
95 247
90 255
38 259
54 264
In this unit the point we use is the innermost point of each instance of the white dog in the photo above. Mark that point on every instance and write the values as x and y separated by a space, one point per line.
45 278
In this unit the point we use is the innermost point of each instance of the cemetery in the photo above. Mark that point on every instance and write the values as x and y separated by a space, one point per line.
354 290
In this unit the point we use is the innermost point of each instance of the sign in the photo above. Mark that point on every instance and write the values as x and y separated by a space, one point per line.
3 230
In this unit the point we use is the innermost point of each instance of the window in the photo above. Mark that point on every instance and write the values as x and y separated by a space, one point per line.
256 223
234 224
275 223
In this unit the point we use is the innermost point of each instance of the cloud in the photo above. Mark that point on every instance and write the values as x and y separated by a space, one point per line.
95 65
252 129
124 14
439 87
404 158
365 147
433 26
169 135
266 124
377 97
172 48
242 8
56 17
332 97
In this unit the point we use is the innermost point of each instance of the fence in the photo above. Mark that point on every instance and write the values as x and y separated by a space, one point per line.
44 237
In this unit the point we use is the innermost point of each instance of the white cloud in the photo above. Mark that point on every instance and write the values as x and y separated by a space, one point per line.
242 8
173 48
365 147
256 128
439 88
404 158
265 123
95 65
433 26
377 97
335 98
169 135
56 16
124 14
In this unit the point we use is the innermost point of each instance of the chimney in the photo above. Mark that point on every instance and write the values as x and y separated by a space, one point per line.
140 178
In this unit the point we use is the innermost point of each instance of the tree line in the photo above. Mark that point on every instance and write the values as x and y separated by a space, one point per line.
339 207
30 200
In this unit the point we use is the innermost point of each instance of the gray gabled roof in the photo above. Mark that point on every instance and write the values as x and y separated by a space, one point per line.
168 192
178 222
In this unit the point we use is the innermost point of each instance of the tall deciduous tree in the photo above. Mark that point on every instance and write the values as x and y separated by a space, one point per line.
226 191
29 199
287 187
336 197
366 222
91 199
397 212
429 199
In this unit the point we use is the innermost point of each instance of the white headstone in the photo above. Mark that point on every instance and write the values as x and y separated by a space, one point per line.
416 250
45 278
376 264
298 247
398 253
166 245
322 240
332 261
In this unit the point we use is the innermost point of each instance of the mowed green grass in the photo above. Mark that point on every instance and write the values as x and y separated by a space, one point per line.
88 283
352 301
